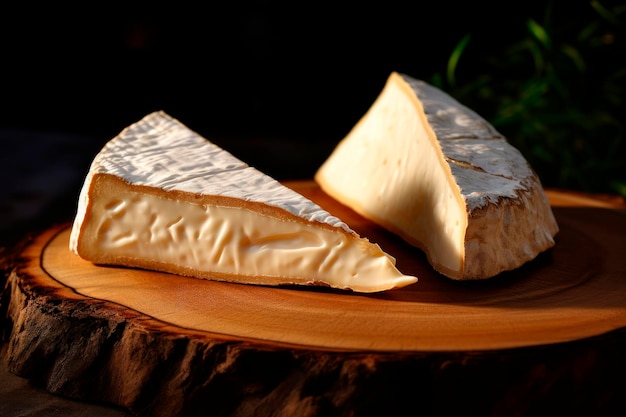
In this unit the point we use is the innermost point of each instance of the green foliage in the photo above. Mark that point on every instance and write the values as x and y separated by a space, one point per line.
558 94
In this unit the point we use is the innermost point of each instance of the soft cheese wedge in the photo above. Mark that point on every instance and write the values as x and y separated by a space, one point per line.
161 197
434 172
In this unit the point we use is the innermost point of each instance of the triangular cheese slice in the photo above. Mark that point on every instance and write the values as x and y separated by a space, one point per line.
161 197
434 172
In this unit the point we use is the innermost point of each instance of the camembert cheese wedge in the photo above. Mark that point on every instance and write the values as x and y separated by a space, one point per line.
159 196
434 172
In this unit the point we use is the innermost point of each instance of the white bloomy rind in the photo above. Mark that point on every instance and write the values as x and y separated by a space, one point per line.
160 196
440 176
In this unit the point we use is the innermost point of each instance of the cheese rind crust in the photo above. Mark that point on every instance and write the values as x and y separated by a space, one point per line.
440 176
161 197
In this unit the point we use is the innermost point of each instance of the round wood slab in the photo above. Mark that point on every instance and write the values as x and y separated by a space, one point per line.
574 292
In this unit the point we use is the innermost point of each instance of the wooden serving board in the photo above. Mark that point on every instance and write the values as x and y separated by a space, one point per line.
161 344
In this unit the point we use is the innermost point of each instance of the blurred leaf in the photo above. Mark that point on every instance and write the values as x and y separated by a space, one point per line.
538 57
539 33
604 12
454 59
575 56
588 31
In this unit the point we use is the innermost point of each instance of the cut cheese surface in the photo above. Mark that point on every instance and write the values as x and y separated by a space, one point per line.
434 172
161 197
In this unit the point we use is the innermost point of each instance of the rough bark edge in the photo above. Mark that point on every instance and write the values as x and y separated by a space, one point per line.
101 352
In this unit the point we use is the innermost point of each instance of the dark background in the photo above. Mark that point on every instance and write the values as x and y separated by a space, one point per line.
301 72
278 84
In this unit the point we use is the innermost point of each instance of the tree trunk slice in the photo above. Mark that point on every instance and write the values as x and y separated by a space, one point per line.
548 335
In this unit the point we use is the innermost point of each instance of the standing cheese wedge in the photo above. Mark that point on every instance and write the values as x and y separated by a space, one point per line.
159 196
437 174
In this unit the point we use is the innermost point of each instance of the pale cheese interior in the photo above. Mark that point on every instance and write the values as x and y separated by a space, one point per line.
142 229
393 174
